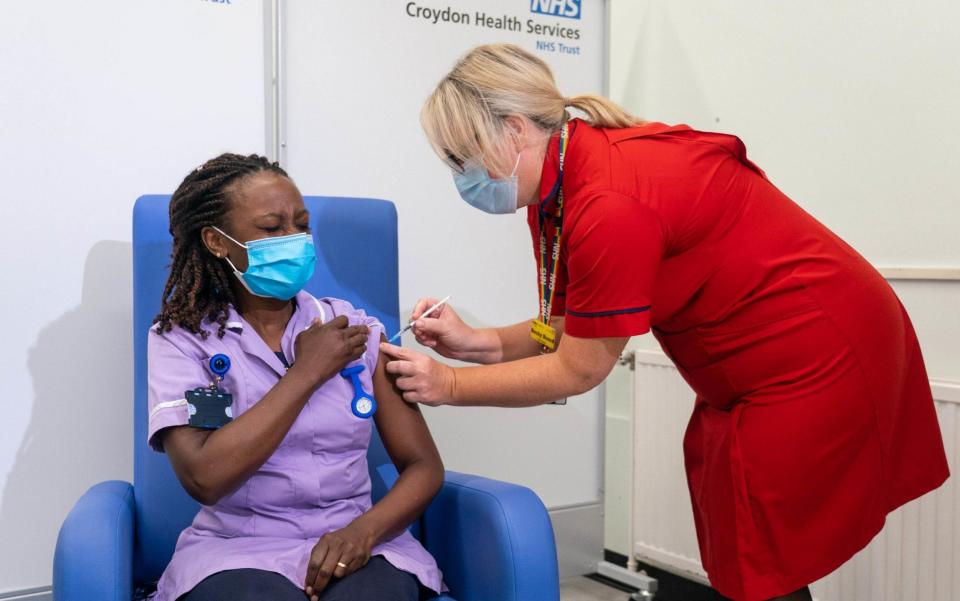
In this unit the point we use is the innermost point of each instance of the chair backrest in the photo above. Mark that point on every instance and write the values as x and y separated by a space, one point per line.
356 242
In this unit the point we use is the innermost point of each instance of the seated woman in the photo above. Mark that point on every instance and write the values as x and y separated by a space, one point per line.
282 473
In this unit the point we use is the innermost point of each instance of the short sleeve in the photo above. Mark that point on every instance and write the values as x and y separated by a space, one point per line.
614 247
170 373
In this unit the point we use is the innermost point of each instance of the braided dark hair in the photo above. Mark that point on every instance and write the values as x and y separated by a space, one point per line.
199 285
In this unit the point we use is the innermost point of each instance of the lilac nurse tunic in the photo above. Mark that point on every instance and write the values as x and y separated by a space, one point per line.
315 482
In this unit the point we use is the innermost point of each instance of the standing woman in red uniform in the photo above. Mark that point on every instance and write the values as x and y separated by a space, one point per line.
814 416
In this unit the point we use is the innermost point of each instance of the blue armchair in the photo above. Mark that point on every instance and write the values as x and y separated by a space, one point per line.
493 540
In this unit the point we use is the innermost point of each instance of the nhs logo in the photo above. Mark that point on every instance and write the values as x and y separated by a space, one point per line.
556 8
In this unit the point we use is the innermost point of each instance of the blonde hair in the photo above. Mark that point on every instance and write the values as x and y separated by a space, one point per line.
464 116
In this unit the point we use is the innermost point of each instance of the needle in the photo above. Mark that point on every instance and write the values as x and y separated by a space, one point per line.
425 313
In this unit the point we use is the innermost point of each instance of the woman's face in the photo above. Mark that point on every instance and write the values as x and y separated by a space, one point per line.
262 205
530 142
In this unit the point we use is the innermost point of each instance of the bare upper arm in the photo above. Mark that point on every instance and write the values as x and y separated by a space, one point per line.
401 425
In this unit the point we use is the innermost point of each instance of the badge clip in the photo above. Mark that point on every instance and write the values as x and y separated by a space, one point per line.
219 365
211 408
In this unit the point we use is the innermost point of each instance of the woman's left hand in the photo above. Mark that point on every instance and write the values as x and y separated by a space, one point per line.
420 378
336 555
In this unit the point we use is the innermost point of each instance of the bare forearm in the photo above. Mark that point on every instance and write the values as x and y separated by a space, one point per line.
407 500
494 345
507 343
514 342
521 383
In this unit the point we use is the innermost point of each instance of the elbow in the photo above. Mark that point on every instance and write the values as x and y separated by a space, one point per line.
581 366
205 497
427 472
434 476
440 477
202 490
585 378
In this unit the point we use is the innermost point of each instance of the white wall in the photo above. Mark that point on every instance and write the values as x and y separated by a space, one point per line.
849 107
356 76
101 102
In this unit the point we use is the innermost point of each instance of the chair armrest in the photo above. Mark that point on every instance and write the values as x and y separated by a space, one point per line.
94 554
493 540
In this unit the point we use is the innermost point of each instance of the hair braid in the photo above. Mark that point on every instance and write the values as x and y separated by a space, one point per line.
198 287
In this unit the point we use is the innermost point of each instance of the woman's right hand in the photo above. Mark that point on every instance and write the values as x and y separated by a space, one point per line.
323 349
443 330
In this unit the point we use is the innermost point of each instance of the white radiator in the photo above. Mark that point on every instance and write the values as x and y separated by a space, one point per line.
915 558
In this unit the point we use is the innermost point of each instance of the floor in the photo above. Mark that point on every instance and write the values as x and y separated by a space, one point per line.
584 589
670 588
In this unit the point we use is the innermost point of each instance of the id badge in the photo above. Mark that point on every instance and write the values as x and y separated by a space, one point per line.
544 334
209 408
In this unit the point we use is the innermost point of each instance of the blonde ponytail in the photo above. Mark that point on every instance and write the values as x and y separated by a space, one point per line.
464 117
602 112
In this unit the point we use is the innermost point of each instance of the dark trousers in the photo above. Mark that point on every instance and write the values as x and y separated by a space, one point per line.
376 581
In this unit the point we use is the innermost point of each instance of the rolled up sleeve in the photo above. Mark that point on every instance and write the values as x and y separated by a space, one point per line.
359 317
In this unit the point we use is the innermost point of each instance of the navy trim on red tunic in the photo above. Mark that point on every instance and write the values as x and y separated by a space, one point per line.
608 313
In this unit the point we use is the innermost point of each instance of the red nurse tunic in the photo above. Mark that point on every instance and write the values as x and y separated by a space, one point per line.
814 416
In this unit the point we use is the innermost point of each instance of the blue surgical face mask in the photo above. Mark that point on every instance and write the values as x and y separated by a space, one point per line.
276 267
496 196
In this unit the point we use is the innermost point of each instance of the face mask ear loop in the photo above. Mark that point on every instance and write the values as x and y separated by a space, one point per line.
236 271
231 238
517 164
239 276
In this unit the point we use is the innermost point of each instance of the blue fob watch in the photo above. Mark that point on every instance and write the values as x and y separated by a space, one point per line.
363 405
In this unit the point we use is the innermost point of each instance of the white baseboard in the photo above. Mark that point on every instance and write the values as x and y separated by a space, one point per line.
42 593
638 580
579 533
